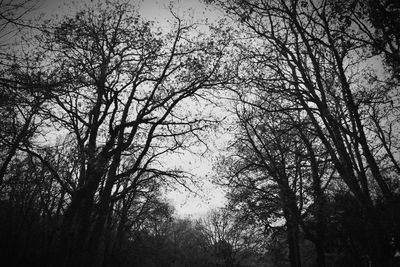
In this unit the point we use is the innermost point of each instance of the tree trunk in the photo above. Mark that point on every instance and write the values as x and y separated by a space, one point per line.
293 242
95 240
290 213
75 229
74 232
94 243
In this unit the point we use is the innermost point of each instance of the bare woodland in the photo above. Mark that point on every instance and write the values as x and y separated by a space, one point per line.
93 104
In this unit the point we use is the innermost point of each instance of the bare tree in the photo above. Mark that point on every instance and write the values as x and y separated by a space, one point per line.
307 55
124 106
231 242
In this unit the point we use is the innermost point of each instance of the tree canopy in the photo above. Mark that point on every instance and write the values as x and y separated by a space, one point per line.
96 104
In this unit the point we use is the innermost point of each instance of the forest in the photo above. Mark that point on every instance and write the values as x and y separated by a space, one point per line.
97 104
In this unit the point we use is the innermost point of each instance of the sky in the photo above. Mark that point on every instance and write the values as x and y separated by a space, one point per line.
207 196
157 10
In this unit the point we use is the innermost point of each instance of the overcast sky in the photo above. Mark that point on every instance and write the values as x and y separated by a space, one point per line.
156 10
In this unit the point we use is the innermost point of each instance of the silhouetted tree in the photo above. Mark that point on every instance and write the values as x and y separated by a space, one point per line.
309 55
231 241
121 109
